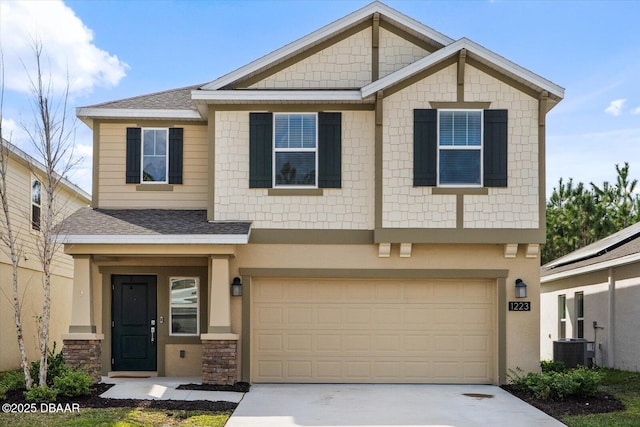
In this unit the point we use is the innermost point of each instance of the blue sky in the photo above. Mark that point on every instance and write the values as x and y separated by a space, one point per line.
118 49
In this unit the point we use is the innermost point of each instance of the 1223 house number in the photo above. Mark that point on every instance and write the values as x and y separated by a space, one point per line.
519 306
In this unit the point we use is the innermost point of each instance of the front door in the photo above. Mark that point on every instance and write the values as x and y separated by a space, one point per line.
134 332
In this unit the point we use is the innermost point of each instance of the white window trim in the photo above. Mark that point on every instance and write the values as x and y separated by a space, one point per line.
581 318
462 147
32 204
166 160
292 150
197 281
562 321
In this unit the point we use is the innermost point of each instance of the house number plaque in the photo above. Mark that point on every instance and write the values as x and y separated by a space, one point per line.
519 306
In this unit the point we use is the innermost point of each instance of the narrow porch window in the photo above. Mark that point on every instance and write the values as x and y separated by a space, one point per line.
562 317
184 306
579 300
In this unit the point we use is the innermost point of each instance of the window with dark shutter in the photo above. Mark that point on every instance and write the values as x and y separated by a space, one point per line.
175 155
425 147
260 146
134 149
495 148
329 150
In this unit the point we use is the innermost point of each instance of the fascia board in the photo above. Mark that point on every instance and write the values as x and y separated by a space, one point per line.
138 113
175 239
277 95
618 262
322 33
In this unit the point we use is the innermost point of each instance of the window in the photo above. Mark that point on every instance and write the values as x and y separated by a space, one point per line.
289 150
295 150
460 148
579 301
184 306
36 203
154 155
562 317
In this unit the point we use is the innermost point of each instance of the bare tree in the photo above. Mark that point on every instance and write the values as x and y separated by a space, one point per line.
10 238
52 140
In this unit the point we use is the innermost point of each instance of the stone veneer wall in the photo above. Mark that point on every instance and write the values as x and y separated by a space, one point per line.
349 208
84 354
219 362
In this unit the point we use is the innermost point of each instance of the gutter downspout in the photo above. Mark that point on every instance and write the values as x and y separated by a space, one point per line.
611 326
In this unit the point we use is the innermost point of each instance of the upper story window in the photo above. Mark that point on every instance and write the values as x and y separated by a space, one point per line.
36 203
289 150
154 155
184 306
295 145
460 147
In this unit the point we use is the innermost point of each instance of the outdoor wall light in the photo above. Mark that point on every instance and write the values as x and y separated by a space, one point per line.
236 287
521 289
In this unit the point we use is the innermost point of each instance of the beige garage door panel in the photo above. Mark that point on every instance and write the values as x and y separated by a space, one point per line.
372 331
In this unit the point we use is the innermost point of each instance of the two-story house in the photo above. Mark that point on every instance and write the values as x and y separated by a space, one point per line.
373 191
24 183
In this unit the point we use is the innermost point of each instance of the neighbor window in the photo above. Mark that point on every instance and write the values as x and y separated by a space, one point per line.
562 317
295 156
460 147
36 203
154 155
184 306
579 301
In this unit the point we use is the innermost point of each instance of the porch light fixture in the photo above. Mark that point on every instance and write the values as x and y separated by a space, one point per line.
521 289
236 287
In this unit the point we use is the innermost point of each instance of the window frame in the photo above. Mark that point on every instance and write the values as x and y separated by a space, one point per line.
479 148
562 316
172 305
579 312
35 227
166 156
275 150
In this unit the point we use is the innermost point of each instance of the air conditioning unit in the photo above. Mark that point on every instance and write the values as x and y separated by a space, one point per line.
574 352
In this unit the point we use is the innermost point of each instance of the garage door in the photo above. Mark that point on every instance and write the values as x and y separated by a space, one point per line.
372 331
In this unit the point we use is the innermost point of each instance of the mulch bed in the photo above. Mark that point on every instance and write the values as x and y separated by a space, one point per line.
240 387
599 403
95 401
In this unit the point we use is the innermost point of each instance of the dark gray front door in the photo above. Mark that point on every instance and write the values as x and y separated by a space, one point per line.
133 310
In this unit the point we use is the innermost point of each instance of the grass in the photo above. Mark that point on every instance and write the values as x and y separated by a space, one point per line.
115 417
626 387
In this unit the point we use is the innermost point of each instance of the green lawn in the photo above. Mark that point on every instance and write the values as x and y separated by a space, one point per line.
116 417
626 387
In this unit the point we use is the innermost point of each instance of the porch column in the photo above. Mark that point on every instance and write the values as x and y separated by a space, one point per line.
219 344
82 345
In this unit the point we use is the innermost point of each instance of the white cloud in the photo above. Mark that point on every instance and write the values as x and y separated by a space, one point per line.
67 44
635 110
615 107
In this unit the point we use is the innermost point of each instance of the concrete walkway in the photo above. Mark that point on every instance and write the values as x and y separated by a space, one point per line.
330 405
163 388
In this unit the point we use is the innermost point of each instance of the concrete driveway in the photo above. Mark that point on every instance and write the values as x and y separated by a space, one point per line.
286 405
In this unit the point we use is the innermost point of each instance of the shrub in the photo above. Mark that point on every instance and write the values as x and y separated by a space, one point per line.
41 394
72 383
551 366
558 385
12 380
55 366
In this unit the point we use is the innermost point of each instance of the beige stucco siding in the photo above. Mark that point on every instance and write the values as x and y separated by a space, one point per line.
346 64
349 207
405 206
396 52
516 206
114 193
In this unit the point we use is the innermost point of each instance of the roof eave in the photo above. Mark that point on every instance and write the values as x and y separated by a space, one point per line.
277 95
88 114
153 239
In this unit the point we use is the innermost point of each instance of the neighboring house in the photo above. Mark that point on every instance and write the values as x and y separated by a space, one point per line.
593 293
25 177
375 187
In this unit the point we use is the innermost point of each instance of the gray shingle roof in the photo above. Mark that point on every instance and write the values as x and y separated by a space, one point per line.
89 223
174 99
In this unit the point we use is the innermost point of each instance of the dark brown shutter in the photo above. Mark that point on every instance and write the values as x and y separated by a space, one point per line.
329 150
134 149
260 150
495 148
425 147
175 155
